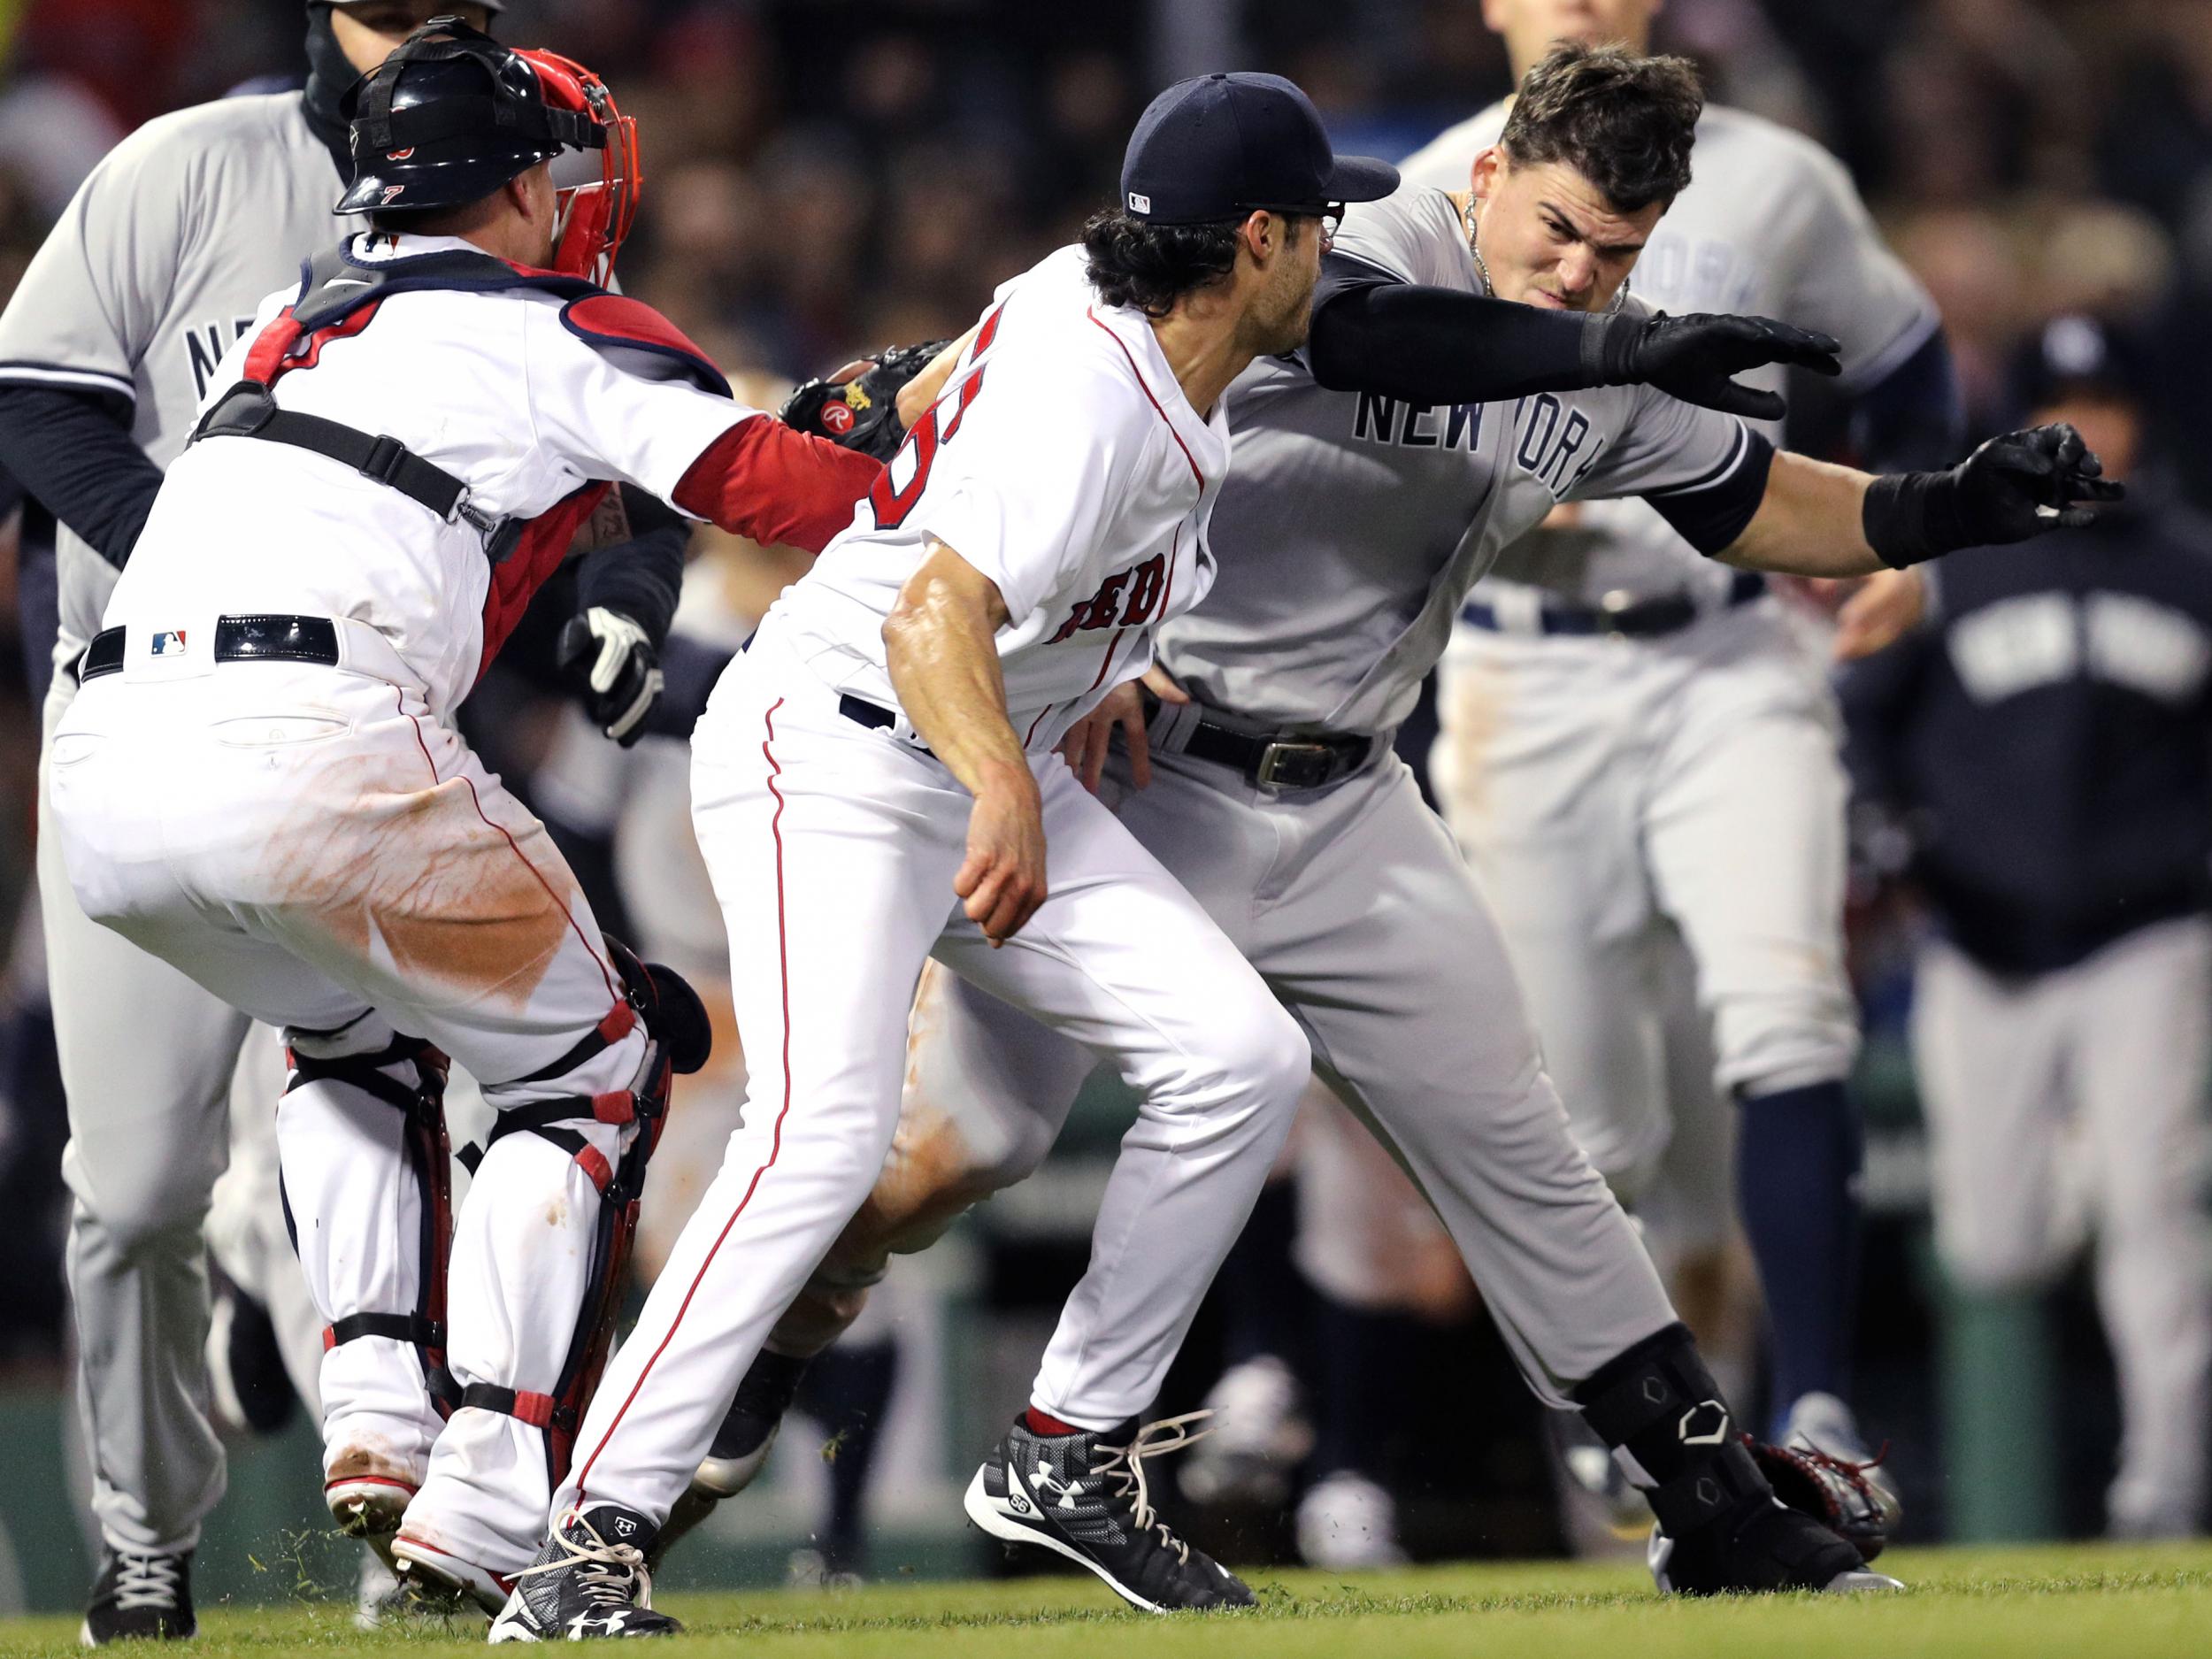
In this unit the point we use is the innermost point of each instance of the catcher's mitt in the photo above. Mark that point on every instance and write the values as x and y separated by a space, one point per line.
1836 1493
858 406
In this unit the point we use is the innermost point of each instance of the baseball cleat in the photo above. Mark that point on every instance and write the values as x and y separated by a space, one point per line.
1348 1523
589 1582
1260 1437
141 1597
369 1507
436 1581
1763 1545
1082 1496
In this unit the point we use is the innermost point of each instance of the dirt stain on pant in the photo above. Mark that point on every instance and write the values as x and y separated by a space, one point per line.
457 901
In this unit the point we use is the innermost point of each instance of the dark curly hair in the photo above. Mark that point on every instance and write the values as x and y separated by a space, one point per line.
1134 262
1151 266
1624 121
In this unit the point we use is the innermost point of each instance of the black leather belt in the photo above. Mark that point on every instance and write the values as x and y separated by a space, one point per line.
237 640
1640 620
876 718
1274 762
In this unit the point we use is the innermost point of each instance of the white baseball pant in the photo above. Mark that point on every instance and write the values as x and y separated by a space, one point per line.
316 847
834 847
1607 790
2071 1104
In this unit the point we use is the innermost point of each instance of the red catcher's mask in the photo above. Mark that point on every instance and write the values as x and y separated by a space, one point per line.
592 218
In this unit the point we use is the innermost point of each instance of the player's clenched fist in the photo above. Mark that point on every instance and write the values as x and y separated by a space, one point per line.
1002 880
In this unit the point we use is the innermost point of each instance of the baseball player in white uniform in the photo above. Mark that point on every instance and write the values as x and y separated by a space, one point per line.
1634 745
110 343
1347 537
260 783
874 784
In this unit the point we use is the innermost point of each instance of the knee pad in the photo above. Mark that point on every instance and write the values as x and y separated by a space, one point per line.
679 1040
419 1098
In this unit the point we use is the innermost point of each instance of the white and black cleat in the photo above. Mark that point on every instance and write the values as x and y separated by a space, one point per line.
1082 1496
588 1583
141 1597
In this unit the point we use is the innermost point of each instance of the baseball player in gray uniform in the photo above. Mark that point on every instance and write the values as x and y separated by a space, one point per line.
1347 539
105 352
1634 745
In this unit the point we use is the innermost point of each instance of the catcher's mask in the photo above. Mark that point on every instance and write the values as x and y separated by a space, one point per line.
453 115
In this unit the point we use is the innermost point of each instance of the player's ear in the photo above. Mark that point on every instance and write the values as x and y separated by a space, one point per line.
1482 178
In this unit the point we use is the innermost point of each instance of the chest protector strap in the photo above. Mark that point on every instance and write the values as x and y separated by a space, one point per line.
334 288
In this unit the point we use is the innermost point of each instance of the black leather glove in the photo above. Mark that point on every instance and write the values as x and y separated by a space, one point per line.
611 661
1692 358
2012 487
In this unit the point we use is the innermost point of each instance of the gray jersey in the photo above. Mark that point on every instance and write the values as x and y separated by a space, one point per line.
1770 225
155 268
1352 526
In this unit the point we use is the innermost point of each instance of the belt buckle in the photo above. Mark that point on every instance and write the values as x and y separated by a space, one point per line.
1294 765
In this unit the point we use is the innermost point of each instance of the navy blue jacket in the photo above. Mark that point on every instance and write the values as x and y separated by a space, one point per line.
2049 736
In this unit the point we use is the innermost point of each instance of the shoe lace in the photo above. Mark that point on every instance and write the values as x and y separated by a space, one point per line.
1123 1467
154 1581
607 1575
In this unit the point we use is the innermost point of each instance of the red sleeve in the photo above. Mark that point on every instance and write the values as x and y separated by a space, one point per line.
782 487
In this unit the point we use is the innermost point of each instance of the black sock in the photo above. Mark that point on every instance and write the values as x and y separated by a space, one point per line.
1263 1300
1797 1183
1361 1362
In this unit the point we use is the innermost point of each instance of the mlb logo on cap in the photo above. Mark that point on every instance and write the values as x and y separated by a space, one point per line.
170 644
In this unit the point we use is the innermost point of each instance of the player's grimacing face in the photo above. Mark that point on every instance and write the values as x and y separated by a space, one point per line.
1548 237
1531 27
370 32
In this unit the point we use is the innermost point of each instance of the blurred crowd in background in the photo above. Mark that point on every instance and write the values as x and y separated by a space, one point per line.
826 176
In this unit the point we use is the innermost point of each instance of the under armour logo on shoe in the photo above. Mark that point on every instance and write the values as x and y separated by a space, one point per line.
1043 1482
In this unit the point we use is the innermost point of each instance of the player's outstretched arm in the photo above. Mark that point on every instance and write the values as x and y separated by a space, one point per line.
1817 519
940 644
1434 345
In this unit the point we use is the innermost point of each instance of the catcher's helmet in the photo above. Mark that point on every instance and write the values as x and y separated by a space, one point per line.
452 115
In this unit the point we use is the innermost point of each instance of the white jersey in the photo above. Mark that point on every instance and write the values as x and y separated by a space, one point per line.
1063 461
155 269
1770 226
506 389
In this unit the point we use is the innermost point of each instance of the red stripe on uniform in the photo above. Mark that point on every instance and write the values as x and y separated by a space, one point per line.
775 1145
1148 398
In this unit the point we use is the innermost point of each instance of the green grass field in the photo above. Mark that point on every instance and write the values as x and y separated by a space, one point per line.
2134 1601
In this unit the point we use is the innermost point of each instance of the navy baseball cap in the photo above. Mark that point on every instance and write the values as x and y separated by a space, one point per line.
1220 146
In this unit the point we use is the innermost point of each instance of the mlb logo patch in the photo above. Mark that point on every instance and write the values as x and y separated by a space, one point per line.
169 644
1140 203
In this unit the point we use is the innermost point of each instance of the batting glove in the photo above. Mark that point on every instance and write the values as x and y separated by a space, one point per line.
2012 487
608 658
1692 358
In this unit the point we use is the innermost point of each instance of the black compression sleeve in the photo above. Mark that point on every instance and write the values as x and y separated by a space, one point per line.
73 454
641 577
1434 345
